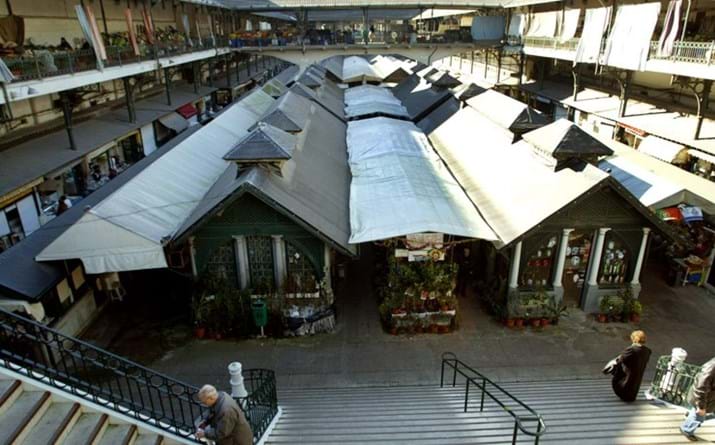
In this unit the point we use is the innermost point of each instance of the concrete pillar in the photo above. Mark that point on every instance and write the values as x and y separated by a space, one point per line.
129 97
560 261
625 85
514 267
279 260
499 54
242 261
596 256
639 261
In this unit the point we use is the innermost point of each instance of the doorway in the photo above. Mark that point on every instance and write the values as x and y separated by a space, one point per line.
578 252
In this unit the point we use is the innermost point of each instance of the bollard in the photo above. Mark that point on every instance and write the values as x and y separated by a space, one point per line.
670 377
238 389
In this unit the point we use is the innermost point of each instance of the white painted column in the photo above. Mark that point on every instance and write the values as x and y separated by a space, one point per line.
641 256
561 258
514 270
192 256
242 261
279 260
596 256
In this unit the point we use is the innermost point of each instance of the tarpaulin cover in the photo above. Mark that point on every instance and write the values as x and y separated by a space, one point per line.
511 186
126 230
174 121
357 68
661 149
400 187
187 111
628 44
369 99
589 46
488 27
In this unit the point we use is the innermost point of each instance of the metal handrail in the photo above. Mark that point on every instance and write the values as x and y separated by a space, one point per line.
46 64
474 377
121 385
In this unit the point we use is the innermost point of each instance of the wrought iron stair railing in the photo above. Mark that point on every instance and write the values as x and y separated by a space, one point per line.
518 410
118 384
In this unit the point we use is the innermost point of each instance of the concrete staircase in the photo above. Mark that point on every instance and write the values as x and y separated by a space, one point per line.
35 414
583 412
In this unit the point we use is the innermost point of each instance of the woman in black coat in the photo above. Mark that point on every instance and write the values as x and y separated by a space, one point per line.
628 368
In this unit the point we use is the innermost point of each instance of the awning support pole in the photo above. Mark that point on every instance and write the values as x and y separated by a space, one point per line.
129 96
238 71
227 62
522 61
576 73
7 100
197 77
167 85
703 103
625 84
67 114
486 62
471 70
499 65
211 72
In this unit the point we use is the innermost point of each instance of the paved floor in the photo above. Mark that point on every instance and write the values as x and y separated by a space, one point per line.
359 353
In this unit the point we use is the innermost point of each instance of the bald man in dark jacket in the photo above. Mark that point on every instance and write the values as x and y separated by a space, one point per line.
702 398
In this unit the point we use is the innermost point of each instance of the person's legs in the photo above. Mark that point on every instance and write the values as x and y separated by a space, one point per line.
691 423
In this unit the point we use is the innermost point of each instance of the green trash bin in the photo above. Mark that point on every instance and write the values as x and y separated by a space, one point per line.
260 313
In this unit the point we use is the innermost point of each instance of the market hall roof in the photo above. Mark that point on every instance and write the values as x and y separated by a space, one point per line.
507 112
331 99
655 183
264 143
21 277
421 98
127 230
399 186
513 190
46 155
285 113
371 100
563 139
313 188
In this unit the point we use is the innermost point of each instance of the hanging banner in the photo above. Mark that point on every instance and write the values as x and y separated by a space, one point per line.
187 29
211 31
670 29
99 42
148 27
130 29
88 34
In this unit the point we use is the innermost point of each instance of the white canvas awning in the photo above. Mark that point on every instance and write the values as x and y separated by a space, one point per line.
357 68
664 150
174 121
395 195
628 44
370 99
127 230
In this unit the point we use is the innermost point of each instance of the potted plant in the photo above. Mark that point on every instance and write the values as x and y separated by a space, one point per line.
555 311
615 312
604 308
636 308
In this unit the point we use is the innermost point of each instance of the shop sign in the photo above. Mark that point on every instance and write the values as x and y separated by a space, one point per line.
423 247
632 130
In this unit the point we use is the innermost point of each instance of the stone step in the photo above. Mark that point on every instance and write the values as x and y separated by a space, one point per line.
581 412
87 429
148 439
118 434
21 413
53 423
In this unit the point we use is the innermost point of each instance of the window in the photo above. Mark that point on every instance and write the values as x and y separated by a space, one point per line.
301 274
221 264
614 261
539 267
260 263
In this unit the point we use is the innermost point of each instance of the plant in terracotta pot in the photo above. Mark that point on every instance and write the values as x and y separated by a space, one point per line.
604 308
554 311
636 308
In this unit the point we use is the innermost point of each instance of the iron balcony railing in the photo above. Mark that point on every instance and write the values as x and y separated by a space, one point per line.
97 375
673 381
691 52
550 43
500 396
42 64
